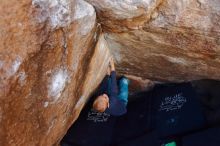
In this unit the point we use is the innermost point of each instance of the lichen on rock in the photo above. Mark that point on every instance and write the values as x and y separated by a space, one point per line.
57 83
57 12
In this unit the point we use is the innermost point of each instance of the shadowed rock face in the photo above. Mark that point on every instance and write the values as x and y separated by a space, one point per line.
53 56
164 40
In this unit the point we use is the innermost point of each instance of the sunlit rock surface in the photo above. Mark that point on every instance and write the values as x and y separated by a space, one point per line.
53 55
164 40
49 64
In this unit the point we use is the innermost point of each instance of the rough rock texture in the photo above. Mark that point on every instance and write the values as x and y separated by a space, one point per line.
53 55
137 84
49 64
164 40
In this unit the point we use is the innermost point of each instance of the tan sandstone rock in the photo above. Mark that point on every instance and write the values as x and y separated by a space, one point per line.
165 40
49 65
53 56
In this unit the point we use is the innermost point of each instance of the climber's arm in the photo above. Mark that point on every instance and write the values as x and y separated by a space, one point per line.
116 107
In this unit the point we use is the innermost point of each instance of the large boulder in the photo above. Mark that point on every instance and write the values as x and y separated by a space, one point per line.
163 40
52 57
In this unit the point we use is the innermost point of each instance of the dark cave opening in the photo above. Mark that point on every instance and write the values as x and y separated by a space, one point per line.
193 121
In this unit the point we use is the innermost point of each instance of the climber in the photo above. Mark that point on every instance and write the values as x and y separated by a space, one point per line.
95 124
109 100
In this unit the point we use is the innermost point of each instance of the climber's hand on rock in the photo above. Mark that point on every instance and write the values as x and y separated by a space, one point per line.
109 70
112 64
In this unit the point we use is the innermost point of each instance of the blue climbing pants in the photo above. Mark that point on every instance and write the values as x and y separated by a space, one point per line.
122 89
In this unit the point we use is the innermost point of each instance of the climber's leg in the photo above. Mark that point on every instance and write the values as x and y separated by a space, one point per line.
123 89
